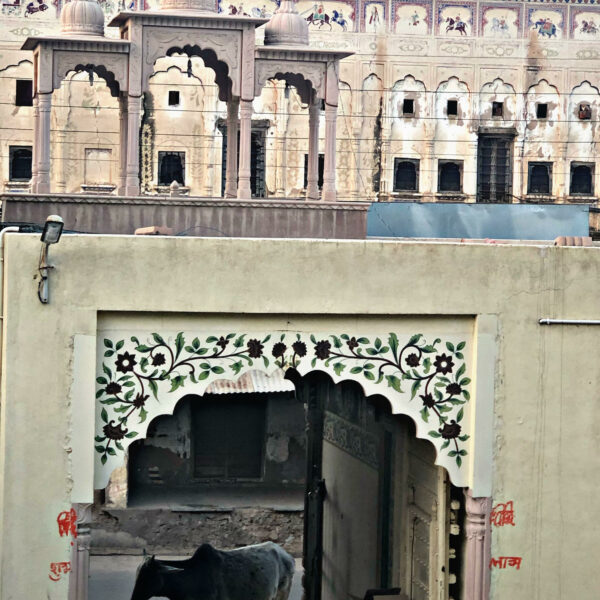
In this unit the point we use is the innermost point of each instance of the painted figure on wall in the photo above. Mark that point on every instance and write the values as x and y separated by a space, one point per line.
456 24
34 7
455 20
589 27
411 19
324 16
374 17
585 24
500 22
545 27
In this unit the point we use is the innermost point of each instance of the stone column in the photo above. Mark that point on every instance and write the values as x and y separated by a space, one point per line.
232 145
244 190
34 145
123 134
478 548
132 179
331 102
312 187
80 554
43 143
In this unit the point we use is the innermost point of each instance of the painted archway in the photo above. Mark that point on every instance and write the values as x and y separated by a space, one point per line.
140 375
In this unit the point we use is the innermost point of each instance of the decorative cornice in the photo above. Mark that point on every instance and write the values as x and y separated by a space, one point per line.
179 201
88 44
177 19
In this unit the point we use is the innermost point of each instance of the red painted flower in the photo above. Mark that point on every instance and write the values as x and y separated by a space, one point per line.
450 430
299 348
453 389
113 388
255 349
158 359
125 362
412 360
114 432
322 349
279 349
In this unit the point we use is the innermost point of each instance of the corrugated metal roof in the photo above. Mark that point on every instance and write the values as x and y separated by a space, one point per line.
252 382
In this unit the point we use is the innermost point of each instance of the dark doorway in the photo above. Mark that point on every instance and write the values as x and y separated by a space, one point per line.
257 157
449 176
19 163
406 175
494 168
320 174
540 178
171 167
582 179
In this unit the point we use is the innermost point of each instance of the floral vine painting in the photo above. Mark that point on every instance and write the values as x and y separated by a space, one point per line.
138 374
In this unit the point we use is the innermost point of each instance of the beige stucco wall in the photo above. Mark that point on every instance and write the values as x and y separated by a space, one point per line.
546 443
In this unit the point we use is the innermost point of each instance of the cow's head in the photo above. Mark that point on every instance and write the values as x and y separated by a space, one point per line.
149 579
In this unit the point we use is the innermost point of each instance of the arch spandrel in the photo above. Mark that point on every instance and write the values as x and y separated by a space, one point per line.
142 375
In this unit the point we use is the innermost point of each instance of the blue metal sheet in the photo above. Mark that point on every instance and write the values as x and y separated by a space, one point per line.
477 221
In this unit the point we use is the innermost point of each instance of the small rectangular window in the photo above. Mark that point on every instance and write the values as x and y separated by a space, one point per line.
408 106
585 112
582 179
452 108
171 167
321 170
497 109
541 111
173 98
19 165
539 179
449 176
24 92
406 175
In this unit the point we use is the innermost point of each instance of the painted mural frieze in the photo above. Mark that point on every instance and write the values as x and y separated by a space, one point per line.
138 378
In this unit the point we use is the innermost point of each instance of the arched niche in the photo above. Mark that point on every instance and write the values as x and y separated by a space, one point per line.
141 375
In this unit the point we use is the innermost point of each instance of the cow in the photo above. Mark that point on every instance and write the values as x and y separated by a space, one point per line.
259 572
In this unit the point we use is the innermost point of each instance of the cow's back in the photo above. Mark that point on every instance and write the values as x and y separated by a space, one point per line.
259 572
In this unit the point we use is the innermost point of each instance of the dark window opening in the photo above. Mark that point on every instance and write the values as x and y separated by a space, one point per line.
173 98
541 111
19 163
406 175
449 176
494 168
539 178
497 109
24 92
228 438
582 179
321 170
585 112
171 167
408 106
452 108
322 109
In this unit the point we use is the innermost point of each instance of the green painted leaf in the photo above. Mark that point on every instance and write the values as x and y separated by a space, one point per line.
109 401
267 339
266 361
461 345
338 368
460 372
99 438
144 364
355 370
177 382
313 362
205 366
444 408
111 451
344 336
362 340
425 414
336 341
239 342
369 375
99 449
129 384
445 445
459 355
463 438
372 351
466 395
158 339
450 346
195 343
428 349
120 344
414 339
104 415
313 339
415 388
143 348
377 343
434 434
393 342
459 461
179 343
384 349
154 387
229 336
134 340
211 339
463 452
131 434
438 394
103 459
118 445
452 453
109 353
236 367
108 343
201 351
465 381
369 366
129 394
203 375
101 380
107 370
218 370
143 415
460 415
394 382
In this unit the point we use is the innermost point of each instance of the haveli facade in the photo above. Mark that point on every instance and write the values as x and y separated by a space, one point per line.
487 101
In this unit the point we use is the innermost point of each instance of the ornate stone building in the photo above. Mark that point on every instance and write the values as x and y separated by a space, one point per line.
488 101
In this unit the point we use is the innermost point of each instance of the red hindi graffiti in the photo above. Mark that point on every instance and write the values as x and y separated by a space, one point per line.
67 523
57 569
503 514
503 562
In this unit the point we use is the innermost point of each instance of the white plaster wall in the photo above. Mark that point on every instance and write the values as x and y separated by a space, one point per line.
546 447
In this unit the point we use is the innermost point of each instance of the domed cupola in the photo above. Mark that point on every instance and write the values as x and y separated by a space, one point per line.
286 27
82 17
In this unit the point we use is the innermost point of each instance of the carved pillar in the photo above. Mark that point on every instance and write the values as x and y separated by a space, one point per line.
232 145
331 102
61 151
43 143
34 145
312 188
478 549
132 180
123 133
244 189
80 554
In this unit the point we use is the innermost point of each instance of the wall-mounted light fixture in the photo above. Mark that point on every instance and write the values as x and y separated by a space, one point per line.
51 235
